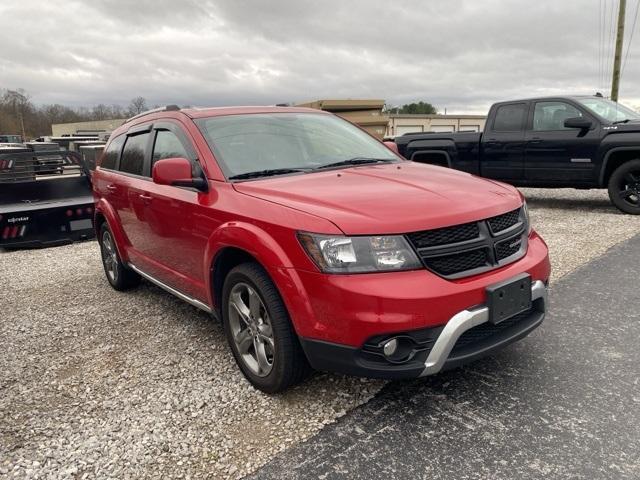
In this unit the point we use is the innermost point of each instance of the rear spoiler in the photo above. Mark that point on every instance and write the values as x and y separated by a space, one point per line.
24 167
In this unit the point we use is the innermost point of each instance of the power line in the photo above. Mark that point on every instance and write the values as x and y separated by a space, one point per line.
633 29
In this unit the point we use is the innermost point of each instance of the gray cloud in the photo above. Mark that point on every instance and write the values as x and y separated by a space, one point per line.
457 54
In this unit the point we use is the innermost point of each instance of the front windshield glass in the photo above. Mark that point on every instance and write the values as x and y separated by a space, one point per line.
266 141
611 111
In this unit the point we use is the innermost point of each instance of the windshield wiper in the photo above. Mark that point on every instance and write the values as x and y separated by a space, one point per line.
355 161
267 173
626 120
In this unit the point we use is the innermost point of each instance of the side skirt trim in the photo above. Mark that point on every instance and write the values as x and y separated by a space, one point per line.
171 290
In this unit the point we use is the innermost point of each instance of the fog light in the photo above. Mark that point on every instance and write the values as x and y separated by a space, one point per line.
390 347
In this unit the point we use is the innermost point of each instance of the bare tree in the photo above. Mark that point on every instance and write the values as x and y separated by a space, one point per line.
137 105
18 101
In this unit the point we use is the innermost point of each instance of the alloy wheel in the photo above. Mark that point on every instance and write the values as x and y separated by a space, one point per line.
109 256
251 329
629 189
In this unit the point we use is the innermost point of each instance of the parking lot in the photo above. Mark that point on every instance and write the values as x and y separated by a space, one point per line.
98 383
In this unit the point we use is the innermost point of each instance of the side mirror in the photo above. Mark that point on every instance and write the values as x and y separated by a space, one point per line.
392 146
177 172
578 122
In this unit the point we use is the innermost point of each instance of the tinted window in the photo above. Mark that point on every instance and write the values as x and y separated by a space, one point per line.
551 115
132 160
168 146
510 118
110 156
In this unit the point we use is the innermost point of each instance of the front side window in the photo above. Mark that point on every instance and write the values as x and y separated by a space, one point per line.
132 160
510 118
551 115
167 145
110 156
610 111
248 143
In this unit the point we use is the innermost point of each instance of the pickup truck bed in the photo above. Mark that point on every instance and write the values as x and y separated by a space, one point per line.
44 209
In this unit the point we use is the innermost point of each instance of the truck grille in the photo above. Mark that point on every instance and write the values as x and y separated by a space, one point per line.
472 248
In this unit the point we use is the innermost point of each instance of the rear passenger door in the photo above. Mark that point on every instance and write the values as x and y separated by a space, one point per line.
503 143
131 184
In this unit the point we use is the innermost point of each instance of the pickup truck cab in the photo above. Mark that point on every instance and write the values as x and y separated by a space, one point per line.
315 244
576 141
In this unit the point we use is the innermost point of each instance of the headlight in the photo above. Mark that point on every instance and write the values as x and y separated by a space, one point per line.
527 219
337 254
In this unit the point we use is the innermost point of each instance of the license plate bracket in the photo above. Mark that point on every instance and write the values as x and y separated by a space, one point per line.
509 298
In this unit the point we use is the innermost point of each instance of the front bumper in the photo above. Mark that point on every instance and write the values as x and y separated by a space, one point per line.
467 336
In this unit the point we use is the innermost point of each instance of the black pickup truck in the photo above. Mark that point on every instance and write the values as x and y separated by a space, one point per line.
577 141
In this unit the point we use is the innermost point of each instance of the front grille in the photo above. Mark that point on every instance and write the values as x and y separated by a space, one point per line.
471 248
443 236
504 221
459 262
484 331
508 247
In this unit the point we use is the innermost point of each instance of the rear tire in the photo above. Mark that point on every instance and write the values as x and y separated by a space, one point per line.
259 331
119 276
624 187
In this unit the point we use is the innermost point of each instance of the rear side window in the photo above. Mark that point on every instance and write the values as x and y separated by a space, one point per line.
110 156
510 118
168 146
132 160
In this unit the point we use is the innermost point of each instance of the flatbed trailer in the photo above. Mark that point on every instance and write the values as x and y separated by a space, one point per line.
45 199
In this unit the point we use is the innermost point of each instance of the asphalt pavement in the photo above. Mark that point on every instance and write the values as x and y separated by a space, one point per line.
562 403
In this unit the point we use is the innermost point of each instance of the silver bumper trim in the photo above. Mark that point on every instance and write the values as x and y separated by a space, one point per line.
460 323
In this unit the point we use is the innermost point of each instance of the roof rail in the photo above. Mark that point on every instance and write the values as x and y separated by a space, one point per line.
166 108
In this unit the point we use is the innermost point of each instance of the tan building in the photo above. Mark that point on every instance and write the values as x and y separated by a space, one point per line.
63 129
399 124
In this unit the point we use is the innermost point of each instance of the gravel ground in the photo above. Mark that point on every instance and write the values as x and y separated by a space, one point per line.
100 384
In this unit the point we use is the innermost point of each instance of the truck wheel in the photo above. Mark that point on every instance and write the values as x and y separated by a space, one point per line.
119 276
259 330
624 187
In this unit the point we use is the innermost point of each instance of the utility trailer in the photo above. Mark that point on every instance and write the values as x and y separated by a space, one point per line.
45 198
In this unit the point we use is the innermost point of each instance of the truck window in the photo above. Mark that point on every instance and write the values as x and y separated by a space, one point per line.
110 157
168 145
510 118
132 160
551 115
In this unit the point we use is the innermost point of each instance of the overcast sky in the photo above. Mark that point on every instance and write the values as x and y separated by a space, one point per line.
457 54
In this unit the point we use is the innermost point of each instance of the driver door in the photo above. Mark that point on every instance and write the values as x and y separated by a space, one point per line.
555 153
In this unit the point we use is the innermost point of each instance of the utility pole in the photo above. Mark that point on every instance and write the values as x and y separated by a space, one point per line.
615 83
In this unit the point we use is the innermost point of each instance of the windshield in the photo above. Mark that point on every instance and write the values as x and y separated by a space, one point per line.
611 111
275 141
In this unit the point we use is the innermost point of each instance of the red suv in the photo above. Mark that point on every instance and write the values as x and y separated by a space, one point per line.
317 245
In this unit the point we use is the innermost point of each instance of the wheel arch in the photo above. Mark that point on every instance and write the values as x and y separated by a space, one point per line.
235 243
104 213
614 158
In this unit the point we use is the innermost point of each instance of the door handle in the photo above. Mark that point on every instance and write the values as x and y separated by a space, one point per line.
111 187
535 140
145 198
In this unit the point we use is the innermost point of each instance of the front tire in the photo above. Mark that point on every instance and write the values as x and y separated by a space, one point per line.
119 276
624 187
259 331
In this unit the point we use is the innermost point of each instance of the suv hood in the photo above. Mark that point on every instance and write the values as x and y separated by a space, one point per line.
388 198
